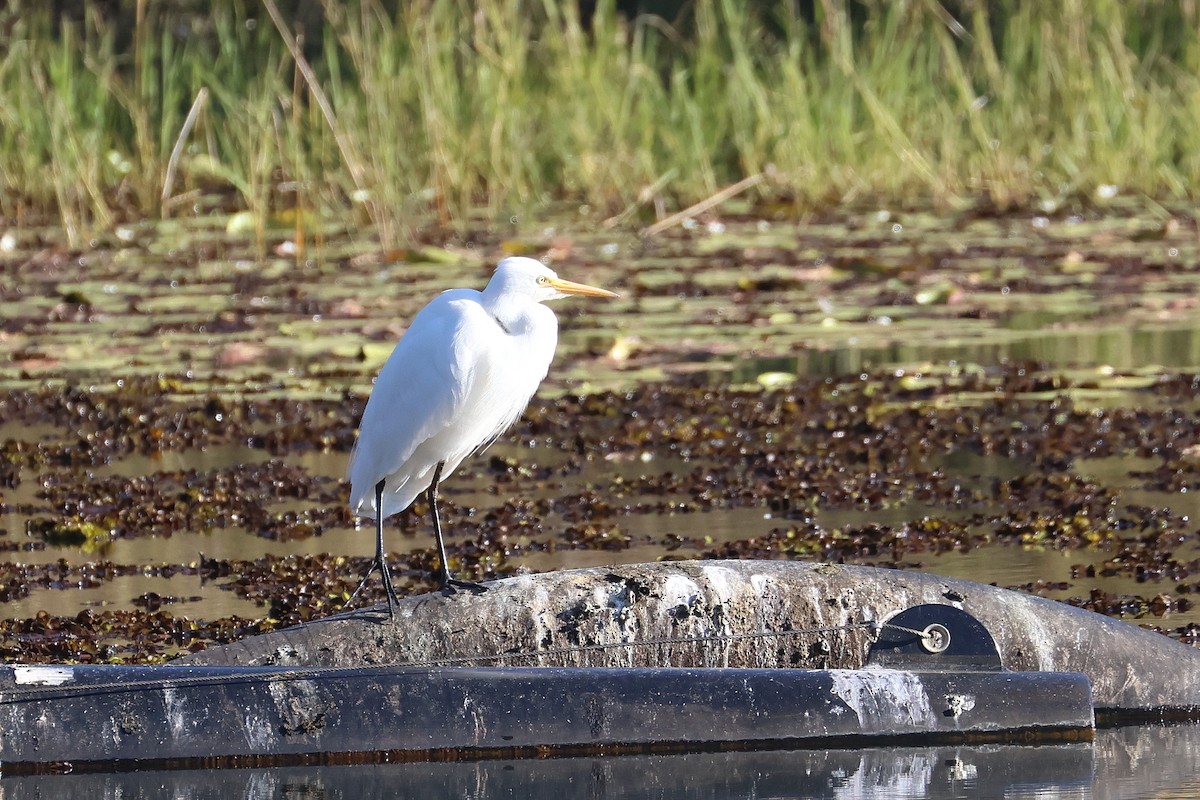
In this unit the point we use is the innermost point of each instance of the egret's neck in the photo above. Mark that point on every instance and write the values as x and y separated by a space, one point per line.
511 312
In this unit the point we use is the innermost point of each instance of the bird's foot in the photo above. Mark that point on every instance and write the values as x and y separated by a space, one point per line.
377 563
451 586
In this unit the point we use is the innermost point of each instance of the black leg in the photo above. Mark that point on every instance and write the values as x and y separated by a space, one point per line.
379 562
431 498
448 584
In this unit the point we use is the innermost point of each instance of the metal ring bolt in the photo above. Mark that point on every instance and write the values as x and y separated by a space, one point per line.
935 638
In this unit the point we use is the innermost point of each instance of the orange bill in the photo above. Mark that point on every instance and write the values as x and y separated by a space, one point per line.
570 287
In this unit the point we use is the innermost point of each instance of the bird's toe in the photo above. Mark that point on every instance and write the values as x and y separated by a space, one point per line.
453 586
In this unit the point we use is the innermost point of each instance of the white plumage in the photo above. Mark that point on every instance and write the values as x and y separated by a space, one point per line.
459 377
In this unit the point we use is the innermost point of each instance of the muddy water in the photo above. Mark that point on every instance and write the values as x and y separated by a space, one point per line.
1006 400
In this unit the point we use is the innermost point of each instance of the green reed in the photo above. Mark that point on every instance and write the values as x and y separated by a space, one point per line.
508 107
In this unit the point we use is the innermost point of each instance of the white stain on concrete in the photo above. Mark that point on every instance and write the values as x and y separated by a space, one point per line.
760 583
816 598
43 676
258 733
885 700
1041 639
724 583
679 590
176 711
958 704
540 619
475 719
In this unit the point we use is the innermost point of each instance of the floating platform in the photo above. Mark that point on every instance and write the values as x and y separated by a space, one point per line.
173 716
647 658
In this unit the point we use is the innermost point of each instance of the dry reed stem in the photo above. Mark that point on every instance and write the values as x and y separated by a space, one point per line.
705 204
314 86
177 151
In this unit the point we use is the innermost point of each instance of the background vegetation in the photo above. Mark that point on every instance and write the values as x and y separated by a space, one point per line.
391 110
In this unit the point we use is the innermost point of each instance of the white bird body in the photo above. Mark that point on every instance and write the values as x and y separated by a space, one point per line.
459 377
437 399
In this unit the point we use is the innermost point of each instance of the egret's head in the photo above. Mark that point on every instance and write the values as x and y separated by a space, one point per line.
530 277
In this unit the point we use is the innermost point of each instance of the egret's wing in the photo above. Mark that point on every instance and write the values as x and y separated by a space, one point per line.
419 392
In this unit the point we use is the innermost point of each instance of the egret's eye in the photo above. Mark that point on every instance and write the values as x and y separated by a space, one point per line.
543 280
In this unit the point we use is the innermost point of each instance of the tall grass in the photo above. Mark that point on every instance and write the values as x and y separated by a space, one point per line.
508 106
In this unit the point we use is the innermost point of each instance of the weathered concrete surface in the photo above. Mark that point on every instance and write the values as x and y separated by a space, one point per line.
553 615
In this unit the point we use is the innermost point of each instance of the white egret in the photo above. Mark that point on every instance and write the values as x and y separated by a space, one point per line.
460 375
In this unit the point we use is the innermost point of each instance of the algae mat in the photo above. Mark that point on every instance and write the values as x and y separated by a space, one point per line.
1007 399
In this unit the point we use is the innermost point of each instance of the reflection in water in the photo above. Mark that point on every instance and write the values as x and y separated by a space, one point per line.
1119 347
1122 764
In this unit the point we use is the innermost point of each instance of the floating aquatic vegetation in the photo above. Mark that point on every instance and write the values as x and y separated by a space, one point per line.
175 418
